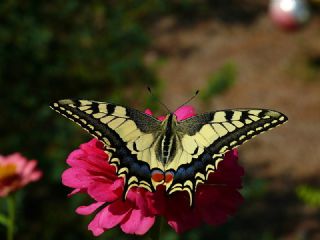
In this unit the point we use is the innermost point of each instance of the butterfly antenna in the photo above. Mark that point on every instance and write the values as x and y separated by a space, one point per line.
190 99
158 100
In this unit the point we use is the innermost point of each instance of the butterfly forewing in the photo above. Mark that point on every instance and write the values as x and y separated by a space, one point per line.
128 135
205 138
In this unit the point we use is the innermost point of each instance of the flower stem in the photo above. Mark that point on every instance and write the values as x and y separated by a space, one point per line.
156 231
11 217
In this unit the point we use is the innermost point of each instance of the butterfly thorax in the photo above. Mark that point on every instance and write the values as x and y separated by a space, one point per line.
167 141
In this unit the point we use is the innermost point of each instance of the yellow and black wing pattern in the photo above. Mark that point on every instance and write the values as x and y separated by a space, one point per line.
142 147
128 135
205 138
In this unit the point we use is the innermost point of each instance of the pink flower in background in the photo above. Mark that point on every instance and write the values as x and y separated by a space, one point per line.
16 172
91 173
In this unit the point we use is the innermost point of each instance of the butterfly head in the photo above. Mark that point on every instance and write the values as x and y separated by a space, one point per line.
169 120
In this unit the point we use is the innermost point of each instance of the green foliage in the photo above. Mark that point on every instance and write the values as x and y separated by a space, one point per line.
219 82
64 49
60 49
309 195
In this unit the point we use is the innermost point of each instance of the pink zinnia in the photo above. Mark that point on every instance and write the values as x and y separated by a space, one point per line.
16 172
91 173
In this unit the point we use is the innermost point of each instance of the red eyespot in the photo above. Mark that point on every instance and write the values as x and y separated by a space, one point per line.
157 176
168 176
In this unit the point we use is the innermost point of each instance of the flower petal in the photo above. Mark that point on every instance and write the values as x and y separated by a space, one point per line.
95 227
184 112
148 111
108 217
229 171
80 159
140 198
104 191
29 167
74 191
161 118
217 203
184 220
137 223
113 214
76 178
86 210
180 216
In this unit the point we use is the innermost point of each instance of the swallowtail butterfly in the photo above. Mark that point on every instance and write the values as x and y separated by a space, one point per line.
178 154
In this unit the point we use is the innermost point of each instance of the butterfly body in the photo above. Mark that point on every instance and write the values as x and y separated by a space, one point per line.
148 152
167 147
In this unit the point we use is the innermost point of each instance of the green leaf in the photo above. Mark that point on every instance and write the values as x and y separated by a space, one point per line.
3 220
309 195
219 81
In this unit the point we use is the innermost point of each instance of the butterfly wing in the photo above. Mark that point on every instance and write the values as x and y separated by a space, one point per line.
128 135
205 138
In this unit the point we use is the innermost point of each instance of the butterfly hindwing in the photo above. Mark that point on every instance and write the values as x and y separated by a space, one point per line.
128 136
205 138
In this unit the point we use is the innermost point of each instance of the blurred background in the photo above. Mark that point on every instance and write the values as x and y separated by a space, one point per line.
234 52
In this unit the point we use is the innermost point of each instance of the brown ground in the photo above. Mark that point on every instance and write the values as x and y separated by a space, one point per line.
275 70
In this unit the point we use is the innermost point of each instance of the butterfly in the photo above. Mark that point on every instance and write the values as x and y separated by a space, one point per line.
180 155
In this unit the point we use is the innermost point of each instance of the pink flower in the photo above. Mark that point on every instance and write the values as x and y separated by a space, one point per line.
91 173
215 200
16 172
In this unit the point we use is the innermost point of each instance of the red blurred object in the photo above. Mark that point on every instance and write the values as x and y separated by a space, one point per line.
289 15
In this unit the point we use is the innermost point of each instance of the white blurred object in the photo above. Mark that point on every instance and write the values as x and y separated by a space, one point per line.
289 14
